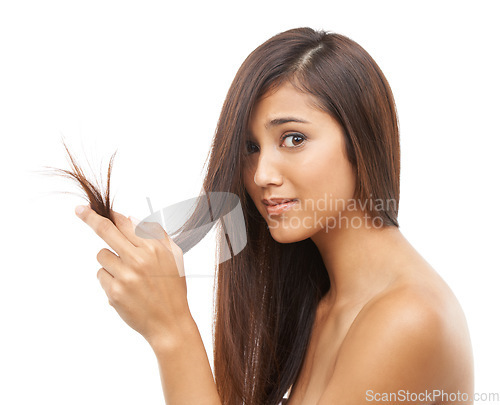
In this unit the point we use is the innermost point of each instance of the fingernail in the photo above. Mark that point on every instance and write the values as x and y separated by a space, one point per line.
79 209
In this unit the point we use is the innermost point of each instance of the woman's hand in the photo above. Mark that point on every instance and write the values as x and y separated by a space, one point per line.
145 282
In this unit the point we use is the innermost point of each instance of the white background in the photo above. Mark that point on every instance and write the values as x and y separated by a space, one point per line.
149 78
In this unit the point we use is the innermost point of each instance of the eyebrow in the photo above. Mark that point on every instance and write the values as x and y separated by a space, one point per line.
284 120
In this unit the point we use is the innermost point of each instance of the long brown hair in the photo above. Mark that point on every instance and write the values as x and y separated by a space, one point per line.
266 295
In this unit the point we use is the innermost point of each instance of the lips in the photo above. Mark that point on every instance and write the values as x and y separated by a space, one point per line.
276 201
279 206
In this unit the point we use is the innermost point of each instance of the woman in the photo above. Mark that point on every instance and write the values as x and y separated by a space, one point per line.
328 301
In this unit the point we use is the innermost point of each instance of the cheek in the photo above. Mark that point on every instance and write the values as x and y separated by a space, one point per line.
329 175
249 185
247 181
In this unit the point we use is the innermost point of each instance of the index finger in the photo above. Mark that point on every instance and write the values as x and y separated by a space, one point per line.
106 230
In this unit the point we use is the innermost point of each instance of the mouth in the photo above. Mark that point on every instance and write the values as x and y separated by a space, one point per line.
278 206
277 201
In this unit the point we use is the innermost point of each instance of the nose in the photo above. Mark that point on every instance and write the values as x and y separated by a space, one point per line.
267 172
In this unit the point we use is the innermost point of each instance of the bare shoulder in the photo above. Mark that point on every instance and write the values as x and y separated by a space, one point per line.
424 304
411 338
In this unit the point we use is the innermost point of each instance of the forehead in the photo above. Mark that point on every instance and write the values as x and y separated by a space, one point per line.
286 101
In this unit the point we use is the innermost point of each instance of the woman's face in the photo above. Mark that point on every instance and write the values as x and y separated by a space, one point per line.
296 151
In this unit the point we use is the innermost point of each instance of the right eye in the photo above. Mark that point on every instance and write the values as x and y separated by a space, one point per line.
251 148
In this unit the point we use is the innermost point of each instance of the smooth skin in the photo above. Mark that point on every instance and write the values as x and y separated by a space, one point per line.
389 324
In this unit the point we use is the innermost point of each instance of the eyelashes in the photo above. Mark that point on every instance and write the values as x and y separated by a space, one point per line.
252 147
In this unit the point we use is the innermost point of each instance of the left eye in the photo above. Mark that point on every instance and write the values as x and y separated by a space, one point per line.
294 138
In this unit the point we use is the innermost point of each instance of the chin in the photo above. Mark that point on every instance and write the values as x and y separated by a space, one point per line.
283 235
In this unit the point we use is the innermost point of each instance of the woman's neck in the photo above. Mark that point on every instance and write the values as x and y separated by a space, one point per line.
360 260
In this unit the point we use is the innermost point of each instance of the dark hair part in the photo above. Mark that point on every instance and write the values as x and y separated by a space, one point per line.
266 295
